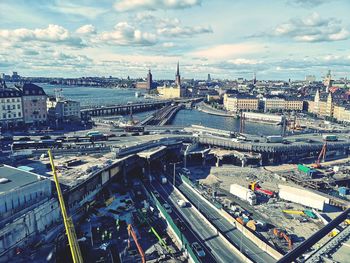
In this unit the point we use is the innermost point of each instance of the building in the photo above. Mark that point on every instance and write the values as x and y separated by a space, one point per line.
27 209
148 84
328 81
11 111
177 76
322 105
172 92
61 109
274 104
310 78
240 102
34 104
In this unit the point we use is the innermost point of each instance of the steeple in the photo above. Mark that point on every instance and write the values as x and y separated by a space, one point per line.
177 76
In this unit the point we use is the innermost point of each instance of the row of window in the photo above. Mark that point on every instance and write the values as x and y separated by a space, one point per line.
10 116
9 100
11 107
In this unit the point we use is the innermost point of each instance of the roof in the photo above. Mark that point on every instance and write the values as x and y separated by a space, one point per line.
30 89
9 93
17 178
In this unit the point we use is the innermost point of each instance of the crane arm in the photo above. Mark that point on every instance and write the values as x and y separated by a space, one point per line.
68 222
139 248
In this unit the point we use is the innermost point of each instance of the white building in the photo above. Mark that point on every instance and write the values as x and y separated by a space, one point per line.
11 113
27 209
63 109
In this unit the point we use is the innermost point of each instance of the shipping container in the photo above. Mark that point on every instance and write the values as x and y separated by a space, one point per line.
302 196
243 193
303 168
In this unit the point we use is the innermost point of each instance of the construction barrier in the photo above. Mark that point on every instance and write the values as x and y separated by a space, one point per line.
247 233
173 227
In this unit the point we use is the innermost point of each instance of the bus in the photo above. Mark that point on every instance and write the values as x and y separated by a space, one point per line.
42 144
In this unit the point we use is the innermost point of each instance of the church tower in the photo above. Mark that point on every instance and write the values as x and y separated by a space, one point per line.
177 76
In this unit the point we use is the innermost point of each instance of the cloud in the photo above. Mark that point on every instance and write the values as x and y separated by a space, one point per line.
52 34
313 28
126 34
227 51
308 3
186 31
67 8
86 29
130 5
244 61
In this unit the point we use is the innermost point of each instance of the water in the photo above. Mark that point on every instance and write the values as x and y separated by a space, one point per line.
188 117
92 96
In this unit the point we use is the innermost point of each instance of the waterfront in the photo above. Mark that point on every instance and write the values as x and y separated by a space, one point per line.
92 96
189 117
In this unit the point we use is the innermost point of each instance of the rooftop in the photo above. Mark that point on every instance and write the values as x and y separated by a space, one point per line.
16 178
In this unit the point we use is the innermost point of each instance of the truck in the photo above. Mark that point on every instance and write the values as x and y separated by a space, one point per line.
274 138
163 179
330 138
243 193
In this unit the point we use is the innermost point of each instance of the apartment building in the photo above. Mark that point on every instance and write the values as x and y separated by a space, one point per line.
11 113
34 104
238 102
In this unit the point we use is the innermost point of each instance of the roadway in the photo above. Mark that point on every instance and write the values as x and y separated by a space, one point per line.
246 246
196 230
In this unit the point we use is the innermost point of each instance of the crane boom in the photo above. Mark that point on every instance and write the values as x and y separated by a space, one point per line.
68 222
139 248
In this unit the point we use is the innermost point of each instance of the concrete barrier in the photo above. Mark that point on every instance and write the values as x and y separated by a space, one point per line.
260 243
234 248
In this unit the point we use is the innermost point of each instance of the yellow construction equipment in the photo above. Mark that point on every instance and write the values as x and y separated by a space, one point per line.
293 212
68 222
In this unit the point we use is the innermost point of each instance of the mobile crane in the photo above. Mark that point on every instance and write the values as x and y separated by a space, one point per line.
68 221
321 156
132 233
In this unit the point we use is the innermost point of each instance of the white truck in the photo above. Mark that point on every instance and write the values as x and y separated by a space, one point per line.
163 179
243 193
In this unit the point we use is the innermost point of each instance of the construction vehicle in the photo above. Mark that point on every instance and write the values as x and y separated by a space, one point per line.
293 212
321 157
251 225
281 234
254 186
132 233
68 221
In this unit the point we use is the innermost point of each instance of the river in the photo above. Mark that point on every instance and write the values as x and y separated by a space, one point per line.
93 96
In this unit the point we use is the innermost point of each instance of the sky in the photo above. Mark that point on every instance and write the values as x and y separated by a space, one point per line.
277 39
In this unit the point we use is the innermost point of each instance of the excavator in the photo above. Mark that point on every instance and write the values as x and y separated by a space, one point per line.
321 156
132 233
254 186
281 234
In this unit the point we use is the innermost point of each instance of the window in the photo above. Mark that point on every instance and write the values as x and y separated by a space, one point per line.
14 115
18 106
13 100
19 114
4 115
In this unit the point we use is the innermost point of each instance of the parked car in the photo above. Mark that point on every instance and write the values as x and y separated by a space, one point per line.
198 249
167 208
181 203
156 194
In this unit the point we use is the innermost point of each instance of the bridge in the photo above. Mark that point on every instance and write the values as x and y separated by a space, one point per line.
119 109
162 116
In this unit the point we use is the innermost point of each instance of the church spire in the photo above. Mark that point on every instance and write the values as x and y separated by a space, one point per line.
177 76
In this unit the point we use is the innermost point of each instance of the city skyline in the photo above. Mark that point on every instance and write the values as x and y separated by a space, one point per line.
288 39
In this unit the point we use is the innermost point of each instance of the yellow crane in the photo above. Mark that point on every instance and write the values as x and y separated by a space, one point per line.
68 222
